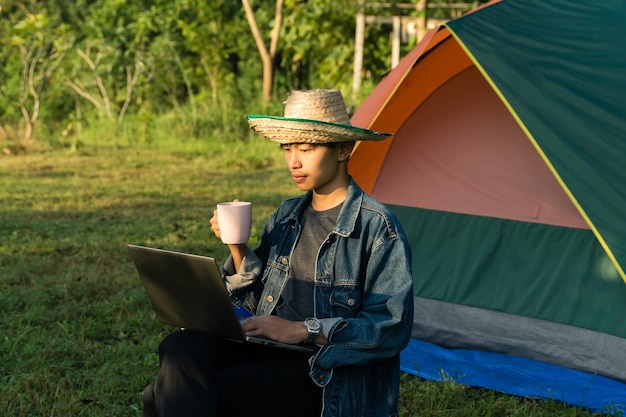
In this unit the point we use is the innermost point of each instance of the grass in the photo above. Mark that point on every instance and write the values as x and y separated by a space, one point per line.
77 334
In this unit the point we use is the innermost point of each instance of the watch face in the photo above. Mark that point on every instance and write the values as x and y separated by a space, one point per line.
313 324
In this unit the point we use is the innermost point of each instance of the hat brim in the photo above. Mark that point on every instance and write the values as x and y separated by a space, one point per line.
290 130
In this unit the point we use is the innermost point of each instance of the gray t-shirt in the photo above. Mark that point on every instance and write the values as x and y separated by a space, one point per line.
297 297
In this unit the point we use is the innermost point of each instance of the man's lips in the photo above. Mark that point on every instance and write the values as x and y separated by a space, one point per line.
298 178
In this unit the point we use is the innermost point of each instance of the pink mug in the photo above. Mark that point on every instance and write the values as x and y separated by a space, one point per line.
235 220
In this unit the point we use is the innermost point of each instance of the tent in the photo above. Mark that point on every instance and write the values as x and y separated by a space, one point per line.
507 168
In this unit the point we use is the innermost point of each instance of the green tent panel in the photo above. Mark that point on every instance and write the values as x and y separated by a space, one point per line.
564 81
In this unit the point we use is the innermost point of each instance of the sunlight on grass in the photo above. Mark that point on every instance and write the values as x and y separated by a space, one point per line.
78 336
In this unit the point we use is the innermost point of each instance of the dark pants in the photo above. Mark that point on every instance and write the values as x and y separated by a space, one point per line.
202 374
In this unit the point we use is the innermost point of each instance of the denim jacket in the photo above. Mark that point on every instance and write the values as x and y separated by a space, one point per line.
363 296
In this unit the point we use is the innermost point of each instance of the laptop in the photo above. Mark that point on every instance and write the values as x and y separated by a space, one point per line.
187 291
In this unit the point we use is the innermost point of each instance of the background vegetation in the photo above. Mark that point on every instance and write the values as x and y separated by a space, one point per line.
135 69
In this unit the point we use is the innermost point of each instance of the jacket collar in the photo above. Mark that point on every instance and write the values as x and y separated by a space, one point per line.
348 215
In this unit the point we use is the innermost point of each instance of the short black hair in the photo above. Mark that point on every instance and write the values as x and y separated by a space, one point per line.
331 145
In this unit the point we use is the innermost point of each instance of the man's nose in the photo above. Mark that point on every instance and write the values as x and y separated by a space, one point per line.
293 161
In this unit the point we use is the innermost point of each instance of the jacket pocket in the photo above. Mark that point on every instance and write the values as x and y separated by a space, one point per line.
346 300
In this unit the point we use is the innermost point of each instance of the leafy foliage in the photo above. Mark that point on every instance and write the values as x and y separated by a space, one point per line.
179 60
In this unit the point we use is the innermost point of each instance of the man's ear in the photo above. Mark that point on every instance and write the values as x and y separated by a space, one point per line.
345 150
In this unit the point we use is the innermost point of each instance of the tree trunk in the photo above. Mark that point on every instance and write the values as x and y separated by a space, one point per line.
267 57
359 41
422 24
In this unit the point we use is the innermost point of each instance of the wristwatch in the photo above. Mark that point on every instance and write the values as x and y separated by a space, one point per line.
313 326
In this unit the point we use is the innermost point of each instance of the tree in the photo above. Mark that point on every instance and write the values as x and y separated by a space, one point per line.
210 33
318 43
267 56
41 50
113 58
95 88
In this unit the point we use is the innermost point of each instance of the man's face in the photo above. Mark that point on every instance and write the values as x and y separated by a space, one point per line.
313 166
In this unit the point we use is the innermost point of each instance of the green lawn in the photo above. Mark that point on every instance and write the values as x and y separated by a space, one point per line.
77 333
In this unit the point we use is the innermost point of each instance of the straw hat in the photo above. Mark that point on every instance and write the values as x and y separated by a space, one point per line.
312 116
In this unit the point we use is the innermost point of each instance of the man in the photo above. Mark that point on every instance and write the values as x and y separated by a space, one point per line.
333 270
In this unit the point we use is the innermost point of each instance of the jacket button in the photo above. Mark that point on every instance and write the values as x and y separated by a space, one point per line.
350 302
270 298
284 261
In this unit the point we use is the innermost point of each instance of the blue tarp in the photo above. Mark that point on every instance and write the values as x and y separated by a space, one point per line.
515 376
